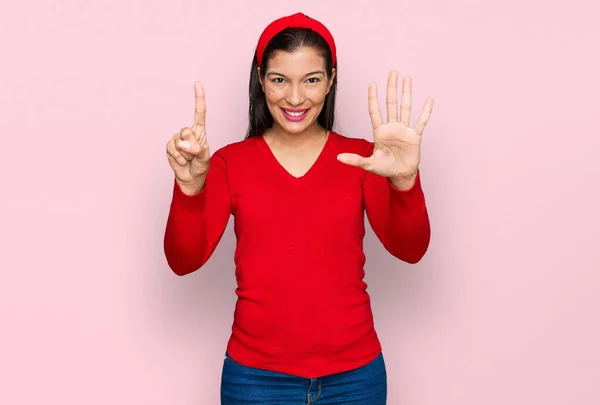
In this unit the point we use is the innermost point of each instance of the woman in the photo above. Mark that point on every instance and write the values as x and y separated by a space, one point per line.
303 328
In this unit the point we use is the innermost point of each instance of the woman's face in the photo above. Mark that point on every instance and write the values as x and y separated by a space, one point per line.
295 85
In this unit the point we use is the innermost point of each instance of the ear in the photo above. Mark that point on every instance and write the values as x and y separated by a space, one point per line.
333 73
262 85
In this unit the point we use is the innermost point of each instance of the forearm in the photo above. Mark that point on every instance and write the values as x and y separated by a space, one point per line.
407 232
185 243
397 212
197 219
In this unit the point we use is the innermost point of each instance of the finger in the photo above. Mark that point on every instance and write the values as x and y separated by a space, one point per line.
406 101
193 148
424 117
178 138
374 111
200 133
203 141
172 160
175 155
353 159
391 99
200 110
187 134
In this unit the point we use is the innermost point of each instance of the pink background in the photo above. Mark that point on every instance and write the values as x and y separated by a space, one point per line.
503 309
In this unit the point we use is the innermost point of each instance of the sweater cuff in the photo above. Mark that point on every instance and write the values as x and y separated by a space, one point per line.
413 193
189 202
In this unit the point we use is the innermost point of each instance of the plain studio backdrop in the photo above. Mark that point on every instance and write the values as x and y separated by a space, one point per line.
502 310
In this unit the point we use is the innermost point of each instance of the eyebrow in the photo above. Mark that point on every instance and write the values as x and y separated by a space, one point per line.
316 72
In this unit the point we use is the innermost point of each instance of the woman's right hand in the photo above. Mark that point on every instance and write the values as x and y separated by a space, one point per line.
188 151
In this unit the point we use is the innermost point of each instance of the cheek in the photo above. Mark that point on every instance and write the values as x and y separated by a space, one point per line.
317 96
272 95
273 99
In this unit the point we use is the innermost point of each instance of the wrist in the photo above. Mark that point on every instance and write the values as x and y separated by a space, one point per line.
192 188
403 183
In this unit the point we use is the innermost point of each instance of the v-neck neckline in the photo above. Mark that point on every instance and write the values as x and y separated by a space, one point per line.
319 161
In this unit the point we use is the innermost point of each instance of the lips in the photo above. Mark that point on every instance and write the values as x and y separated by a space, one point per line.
294 114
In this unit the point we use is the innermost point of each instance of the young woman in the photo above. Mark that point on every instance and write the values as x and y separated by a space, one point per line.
303 329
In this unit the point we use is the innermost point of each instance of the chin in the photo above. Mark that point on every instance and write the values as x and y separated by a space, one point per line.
295 128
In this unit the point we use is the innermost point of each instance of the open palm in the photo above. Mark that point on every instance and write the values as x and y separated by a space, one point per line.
397 150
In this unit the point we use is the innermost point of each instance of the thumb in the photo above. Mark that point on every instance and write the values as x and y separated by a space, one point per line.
193 148
353 159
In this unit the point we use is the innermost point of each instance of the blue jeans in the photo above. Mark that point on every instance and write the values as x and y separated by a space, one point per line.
366 385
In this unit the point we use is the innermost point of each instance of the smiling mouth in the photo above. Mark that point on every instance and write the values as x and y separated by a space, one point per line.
294 113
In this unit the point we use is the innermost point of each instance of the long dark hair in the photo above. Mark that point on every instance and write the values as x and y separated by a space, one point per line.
289 40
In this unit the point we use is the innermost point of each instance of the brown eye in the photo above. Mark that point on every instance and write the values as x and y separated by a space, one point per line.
314 80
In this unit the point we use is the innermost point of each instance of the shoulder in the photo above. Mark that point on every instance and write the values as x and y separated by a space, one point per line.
353 145
235 149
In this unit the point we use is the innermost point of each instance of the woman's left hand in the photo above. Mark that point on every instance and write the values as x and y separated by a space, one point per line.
397 151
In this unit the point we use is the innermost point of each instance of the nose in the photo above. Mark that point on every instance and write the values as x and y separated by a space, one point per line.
295 96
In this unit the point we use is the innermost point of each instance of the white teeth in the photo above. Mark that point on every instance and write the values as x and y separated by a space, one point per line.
294 114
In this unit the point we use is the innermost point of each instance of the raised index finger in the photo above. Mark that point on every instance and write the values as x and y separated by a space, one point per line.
200 110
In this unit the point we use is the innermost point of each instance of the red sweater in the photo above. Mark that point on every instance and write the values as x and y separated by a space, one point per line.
302 305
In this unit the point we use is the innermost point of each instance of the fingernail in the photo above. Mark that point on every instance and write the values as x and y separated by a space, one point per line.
185 145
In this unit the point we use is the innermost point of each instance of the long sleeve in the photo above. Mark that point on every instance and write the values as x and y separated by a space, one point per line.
399 218
196 223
